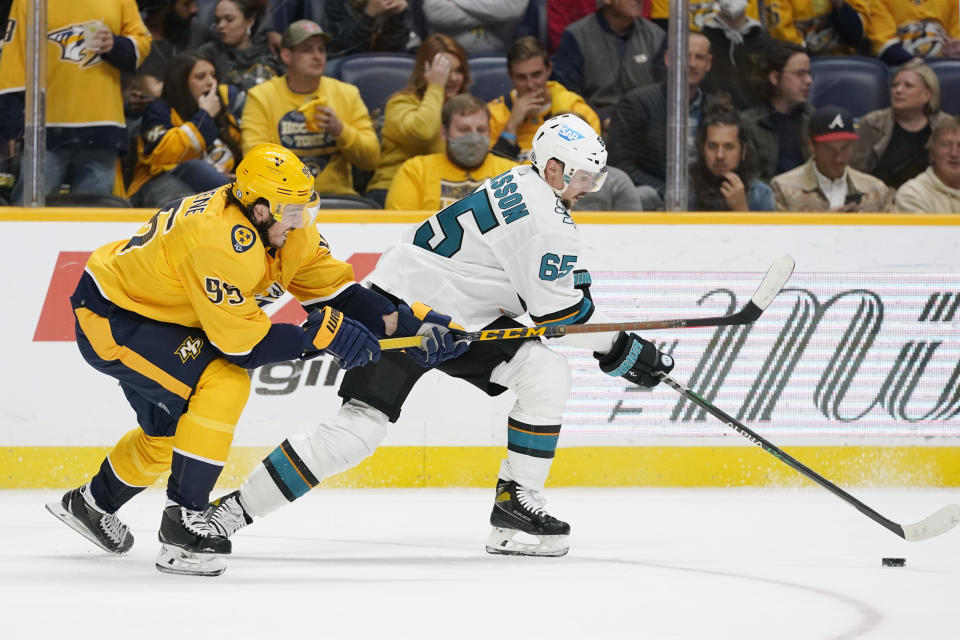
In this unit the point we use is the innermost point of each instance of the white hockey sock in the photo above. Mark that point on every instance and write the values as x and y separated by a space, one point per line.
527 471
259 495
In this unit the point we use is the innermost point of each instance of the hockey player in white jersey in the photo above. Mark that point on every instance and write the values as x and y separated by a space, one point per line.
508 248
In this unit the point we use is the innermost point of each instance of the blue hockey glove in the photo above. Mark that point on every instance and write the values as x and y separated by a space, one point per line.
636 360
351 343
439 332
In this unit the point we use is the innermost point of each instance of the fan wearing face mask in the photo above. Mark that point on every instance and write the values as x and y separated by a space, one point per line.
431 182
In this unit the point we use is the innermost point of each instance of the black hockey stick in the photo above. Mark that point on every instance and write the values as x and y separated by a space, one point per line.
937 524
777 276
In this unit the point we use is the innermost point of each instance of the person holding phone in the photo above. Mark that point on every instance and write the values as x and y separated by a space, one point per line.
826 182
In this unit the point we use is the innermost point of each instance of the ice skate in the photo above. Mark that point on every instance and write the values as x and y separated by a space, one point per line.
189 545
226 515
518 510
102 529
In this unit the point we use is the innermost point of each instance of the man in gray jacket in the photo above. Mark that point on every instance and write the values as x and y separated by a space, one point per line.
608 53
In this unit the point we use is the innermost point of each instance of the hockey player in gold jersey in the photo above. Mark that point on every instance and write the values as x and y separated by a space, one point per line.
174 313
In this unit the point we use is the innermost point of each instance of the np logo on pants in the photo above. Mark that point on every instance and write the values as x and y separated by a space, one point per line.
190 348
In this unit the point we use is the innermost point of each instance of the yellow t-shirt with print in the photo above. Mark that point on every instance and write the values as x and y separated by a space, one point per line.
271 114
432 182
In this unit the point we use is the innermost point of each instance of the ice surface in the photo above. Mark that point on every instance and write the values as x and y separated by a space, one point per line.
644 563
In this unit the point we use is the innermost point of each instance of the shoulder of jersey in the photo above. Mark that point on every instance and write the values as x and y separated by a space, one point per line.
534 190
215 224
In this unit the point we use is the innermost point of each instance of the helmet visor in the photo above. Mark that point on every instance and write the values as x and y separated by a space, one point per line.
300 214
588 181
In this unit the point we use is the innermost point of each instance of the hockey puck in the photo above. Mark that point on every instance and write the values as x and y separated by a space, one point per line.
893 562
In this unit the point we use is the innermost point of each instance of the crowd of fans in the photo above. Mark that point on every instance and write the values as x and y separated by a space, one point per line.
151 100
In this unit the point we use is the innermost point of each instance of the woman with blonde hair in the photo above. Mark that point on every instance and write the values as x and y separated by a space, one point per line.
893 141
411 124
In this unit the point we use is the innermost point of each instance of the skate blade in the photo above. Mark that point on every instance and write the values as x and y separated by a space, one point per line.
173 559
501 542
64 516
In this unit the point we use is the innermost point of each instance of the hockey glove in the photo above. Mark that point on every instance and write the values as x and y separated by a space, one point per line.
351 343
636 360
439 332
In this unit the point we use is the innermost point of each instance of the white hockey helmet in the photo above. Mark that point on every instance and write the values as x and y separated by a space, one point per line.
572 141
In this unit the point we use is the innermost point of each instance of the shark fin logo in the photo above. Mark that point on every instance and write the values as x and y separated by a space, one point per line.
73 45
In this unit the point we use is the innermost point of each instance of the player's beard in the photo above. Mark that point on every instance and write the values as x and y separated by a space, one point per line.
263 229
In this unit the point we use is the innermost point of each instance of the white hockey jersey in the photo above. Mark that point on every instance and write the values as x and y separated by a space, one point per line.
508 248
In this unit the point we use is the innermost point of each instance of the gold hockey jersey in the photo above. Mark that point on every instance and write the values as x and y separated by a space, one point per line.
200 263
83 89
808 23
700 11
921 26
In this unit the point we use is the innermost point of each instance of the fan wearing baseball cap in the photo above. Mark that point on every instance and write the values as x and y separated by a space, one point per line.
321 119
825 182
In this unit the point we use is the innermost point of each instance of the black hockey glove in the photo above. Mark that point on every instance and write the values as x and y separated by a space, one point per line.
635 359
440 334
351 343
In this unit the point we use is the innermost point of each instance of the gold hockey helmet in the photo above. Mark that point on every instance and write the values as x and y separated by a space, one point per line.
275 174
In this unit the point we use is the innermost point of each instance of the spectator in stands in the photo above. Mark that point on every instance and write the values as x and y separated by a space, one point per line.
724 176
362 26
481 28
700 11
826 182
560 14
516 116
169 23
85 122
741 45
240 54
780 122
188 142
412 118
833 28
606 54
322 120
927 29
893 141
434 181
618 193
936 190
637 139
281 14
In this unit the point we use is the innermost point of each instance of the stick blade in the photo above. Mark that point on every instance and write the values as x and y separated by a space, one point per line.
777 276
931 527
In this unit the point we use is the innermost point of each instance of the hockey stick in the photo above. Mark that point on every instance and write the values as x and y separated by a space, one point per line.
777 276
934 525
